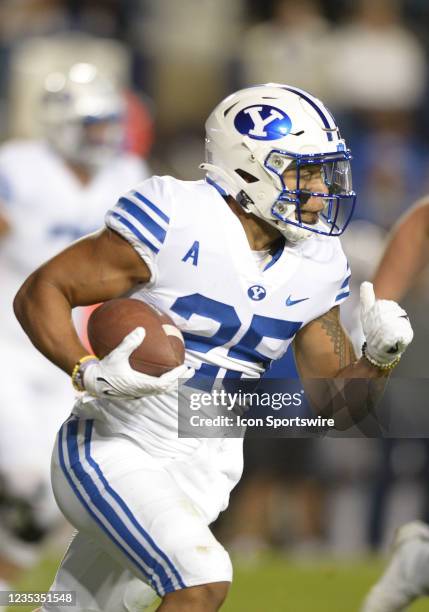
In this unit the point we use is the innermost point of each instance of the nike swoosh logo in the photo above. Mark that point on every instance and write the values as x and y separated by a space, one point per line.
291 302
110 392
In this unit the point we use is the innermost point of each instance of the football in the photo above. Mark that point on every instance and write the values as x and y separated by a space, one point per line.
163 347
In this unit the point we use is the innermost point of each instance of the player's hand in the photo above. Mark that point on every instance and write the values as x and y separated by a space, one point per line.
114 377
386 327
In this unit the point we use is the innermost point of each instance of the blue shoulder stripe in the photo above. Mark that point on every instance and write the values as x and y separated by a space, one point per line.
135 231
342 295
152 206
143 218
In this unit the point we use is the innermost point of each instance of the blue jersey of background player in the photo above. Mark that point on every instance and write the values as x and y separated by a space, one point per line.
229 259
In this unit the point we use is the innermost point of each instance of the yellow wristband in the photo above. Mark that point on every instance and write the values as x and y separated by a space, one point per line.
77 373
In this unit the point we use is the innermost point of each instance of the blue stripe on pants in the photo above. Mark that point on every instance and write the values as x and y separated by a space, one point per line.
76 467
123 505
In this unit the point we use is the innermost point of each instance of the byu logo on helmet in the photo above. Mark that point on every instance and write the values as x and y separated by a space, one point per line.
263 122
256 292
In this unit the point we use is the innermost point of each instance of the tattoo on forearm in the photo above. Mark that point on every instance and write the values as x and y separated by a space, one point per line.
342 346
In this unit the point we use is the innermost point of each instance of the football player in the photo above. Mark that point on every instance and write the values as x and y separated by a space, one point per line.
407 576
245 262
52 191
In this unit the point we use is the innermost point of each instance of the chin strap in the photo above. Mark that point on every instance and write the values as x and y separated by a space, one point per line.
295 234
292 232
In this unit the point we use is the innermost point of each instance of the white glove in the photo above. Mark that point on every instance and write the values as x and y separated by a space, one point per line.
113 376
386 327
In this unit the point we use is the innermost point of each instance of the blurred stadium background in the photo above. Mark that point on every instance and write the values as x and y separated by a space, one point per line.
310 523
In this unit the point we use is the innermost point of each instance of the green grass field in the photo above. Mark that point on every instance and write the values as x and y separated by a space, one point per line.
278 585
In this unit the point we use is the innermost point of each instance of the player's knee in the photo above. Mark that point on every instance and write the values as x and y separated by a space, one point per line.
212 595
215 593
204 597
210 568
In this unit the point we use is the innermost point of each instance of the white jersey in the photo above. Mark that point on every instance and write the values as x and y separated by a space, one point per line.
235 317
47 208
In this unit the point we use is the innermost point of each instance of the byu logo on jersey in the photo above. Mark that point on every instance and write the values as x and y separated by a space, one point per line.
256 292
263 122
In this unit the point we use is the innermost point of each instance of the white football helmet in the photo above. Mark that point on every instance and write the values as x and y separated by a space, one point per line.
82 114
255 134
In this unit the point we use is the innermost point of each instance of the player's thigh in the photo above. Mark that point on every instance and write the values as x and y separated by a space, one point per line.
123 498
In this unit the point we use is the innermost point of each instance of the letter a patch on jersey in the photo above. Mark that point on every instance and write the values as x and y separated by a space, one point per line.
193 253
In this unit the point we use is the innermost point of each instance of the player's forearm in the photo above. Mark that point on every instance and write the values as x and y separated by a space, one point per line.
406 254
387 332
338 384
350 395
44 313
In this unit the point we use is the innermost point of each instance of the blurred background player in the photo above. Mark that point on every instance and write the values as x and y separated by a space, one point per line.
53 190
405 258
